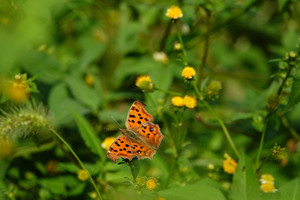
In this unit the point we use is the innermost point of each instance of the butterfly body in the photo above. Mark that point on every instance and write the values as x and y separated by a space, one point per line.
141 137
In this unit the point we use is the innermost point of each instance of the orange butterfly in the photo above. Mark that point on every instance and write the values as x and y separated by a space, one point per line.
140 138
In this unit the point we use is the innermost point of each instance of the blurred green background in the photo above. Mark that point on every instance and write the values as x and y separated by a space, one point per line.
111 43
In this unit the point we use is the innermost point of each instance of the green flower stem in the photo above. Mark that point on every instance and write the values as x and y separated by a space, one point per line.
284 80
291 129
206 47
131 169
170 173
262 140
265 160
167 91
228 137
79 161
185 62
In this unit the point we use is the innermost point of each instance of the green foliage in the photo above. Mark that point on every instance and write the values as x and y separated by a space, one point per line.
295 94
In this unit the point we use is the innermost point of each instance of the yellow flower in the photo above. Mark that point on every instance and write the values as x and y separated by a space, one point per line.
190 102
266 178
229 165
17 89
177 46
268 187
177 101
174 12
6 148
144 82
292 54
160 198
89 79
151 184
82 175
161 57
210 166
188 72
107 142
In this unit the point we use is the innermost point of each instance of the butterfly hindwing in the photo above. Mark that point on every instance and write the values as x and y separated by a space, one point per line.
150 133
120 148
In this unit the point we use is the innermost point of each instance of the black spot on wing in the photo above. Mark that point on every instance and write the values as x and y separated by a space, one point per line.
133 116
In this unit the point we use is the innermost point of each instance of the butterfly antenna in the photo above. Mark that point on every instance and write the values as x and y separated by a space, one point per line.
116 121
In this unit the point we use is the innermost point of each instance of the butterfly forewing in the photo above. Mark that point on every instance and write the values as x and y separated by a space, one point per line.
137 115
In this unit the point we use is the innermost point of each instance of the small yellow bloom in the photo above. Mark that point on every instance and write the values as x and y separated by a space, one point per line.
144 82
190 102
6 148
292 54
266 178
161 57
177 101
268 187
210 166
17 89
82 175
188 72
160 198
174 12
107 142
151 184
89 79
177 46
229 165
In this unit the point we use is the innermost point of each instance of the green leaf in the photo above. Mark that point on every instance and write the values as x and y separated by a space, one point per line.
245 184
295 94
3 190
239 116
197 191
88 134
55 185
82 92
281 4
3 167
290 190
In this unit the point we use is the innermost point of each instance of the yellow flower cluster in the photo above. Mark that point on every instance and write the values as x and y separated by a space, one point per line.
187 101
174 12
107 142
82 175
188 73
229 165
151 184
18 89
267 183
144 82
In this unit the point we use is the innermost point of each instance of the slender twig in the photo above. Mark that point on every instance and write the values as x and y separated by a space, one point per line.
79 161
262 140
164 39
185 62
206 47
65 152
291 129
227 135
265 160
284 80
